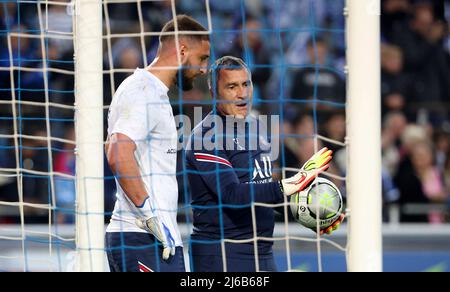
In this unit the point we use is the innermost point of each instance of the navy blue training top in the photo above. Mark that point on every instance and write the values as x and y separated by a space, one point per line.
229 167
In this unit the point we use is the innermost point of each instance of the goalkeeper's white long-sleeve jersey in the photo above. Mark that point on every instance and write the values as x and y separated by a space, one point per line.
141 110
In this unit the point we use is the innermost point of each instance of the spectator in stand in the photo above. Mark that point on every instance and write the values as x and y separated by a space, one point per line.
8 184
65 187
35 188
395 84
442 142
430 178
334 128
156 14
447 178
394 17
325 86
300 141
418 178
57 20
126 55
286 157
421 41
31 83
255 52
394 125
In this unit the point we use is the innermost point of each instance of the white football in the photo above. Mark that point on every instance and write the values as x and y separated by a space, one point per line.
321 200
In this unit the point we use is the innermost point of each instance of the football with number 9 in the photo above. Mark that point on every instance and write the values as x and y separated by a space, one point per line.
321 201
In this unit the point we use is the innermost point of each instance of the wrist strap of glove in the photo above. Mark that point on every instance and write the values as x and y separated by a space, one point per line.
145 210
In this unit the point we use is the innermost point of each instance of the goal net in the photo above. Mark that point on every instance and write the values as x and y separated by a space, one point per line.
37 165
294 48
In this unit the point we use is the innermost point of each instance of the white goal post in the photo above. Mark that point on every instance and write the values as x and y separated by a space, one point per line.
89 135
364 192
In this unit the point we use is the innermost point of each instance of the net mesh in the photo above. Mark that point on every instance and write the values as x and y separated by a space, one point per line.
36 133
295 50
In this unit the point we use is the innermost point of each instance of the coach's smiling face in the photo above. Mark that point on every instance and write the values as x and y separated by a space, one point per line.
234 93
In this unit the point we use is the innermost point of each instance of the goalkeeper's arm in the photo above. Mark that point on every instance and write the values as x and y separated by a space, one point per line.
120 154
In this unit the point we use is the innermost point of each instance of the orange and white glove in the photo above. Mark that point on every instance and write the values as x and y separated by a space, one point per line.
333 226
317 164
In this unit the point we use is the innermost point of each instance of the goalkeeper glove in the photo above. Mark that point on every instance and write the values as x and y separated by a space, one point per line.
150 223
317 164
333 226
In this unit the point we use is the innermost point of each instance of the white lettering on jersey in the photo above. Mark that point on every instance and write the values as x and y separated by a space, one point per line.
267 168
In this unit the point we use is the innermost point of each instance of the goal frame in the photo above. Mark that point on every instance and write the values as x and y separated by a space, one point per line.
88 41
364 193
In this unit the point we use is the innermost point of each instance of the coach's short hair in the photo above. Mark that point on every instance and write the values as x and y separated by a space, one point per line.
226 63
184 23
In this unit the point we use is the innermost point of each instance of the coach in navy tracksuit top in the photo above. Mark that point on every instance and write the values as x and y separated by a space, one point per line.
227 171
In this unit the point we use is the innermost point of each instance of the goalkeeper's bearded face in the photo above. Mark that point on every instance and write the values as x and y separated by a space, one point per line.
234 92
187 79
195 64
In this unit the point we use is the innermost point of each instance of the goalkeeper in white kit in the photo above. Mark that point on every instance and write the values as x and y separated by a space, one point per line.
143 234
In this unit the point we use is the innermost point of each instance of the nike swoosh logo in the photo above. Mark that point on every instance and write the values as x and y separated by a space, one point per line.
302 179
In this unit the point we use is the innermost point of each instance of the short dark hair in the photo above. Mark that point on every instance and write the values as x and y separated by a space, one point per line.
227 63
184 23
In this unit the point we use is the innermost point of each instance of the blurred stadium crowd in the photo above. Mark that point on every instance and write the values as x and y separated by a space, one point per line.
296 51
